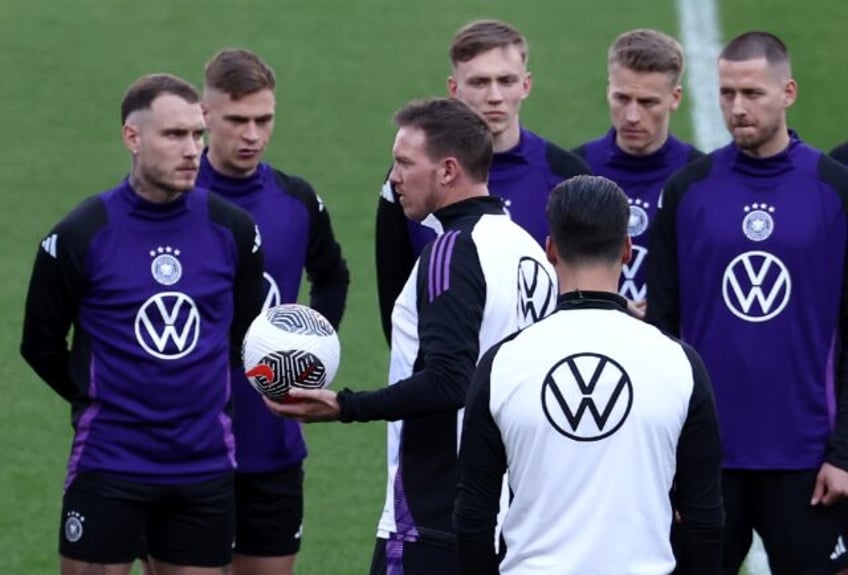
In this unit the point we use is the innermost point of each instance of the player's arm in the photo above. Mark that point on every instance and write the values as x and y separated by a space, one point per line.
56 289
451 295
832 480
482 464
663 302
840 153
697 483
326 269
395 254
248 294
565 164
694 154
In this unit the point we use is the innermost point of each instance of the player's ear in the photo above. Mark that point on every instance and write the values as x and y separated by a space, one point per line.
676 96
550 251
527 84
790 92
627 250
131 136
452 86
449 171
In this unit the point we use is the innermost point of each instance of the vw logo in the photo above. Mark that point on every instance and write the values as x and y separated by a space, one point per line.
587 396
536 292
756 286
167 326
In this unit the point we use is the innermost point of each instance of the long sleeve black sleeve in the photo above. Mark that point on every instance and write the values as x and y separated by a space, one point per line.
248 290
326 269
395 256
697 485
482 464
53 300
837 454
663 309
448 329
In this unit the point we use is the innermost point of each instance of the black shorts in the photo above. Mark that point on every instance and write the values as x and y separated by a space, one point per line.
396 556
798 538
269 513
105 519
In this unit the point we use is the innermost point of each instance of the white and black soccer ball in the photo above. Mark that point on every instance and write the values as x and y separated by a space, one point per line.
287 346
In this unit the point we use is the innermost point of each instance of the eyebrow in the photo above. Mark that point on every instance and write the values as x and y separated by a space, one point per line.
247 118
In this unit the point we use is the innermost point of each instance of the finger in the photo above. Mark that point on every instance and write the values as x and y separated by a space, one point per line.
818 491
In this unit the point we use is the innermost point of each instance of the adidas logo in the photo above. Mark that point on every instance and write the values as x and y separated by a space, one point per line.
839 550
49 245
257 240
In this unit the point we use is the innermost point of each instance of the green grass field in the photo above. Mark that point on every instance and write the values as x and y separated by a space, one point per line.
343 67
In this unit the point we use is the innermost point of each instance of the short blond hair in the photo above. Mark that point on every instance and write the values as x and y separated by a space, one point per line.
646 50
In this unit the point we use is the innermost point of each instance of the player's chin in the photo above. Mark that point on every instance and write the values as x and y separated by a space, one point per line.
184 180
746 141
412 213
183 186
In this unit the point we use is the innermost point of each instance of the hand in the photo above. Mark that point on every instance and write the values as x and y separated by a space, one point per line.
831 485
306 405
637 308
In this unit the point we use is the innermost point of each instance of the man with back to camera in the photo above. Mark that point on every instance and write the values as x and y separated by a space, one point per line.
239 106
159 281
482 279
596 433
489 74
638 153
748 265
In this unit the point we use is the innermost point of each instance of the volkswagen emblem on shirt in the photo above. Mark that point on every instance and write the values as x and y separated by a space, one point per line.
637 223
166 267
587 396
536 292
758 223
756 286
167 326
629 288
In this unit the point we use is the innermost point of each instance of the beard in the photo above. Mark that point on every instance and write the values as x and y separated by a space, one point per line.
753 141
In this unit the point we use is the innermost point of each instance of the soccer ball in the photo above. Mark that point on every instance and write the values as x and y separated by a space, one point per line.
287 346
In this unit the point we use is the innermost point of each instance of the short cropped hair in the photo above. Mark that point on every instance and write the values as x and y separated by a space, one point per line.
754 45
645 50
237 73
483 35
451 129
588 217
141 94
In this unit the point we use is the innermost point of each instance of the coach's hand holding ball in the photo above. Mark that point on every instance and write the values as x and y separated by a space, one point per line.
307 405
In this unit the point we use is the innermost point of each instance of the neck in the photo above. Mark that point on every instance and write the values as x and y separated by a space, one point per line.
458 194
507 139
152 193
591 277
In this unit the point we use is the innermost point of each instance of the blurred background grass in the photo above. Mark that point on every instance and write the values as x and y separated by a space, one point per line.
343 68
